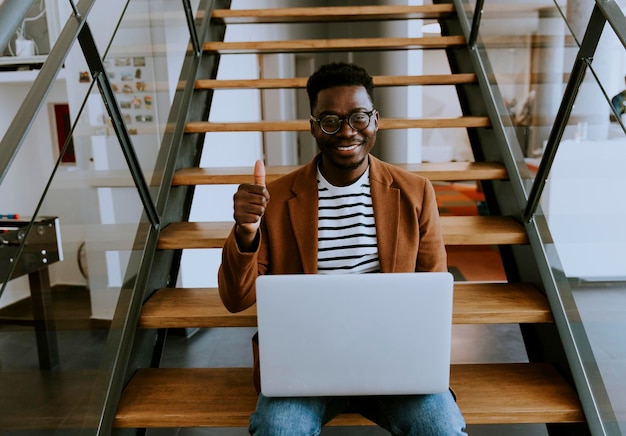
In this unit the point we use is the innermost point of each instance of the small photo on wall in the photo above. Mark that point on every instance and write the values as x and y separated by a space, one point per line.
127 76
122 62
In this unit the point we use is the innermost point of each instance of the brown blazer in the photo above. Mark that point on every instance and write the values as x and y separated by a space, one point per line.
407 230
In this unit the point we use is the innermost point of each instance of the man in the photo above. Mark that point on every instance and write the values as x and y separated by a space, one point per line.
344 212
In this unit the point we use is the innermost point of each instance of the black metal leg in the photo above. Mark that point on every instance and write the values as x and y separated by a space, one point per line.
45 331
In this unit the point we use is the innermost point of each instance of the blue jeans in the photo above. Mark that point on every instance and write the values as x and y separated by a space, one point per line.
435 414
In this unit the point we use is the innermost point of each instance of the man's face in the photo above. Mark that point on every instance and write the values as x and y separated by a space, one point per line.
344 153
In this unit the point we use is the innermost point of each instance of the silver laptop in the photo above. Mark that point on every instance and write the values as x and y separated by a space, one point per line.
354 334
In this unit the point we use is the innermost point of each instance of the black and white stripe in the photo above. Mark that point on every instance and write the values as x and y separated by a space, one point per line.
346 228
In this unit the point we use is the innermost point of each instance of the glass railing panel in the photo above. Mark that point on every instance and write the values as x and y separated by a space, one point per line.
531 50
530 53
86 233
585 217
62 318
143 63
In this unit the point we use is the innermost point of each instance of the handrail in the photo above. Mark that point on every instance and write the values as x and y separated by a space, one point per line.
615 17
26 114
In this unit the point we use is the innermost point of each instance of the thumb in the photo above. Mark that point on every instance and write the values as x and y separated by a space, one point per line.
259 173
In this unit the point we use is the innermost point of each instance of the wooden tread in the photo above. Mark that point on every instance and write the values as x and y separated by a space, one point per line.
457 230
324 14
304 125
300 82
474 303
342 44
225 397
444 171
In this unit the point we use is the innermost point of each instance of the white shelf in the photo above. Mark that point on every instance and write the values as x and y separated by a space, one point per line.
23 76
13 60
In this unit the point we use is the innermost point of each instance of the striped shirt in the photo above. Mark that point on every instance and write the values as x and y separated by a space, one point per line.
346 229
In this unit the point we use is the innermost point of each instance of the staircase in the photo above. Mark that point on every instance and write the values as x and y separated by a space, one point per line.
537 391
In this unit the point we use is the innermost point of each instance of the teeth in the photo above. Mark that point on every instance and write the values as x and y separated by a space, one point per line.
351 147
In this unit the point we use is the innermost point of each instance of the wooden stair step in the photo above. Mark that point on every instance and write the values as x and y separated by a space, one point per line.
482 230
342 44
457 230
439 171
304 125
474 303
225 397
330 13
300 82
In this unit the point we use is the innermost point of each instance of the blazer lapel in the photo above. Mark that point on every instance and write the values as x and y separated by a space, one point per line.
303 213
386 202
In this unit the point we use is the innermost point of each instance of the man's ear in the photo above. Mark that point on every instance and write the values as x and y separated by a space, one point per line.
312 126
376 120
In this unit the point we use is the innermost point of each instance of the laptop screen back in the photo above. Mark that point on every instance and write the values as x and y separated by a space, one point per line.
361 334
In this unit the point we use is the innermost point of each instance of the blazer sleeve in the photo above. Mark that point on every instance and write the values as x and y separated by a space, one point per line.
237 273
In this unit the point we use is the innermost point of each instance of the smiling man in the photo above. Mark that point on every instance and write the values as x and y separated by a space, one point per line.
344 123
344 212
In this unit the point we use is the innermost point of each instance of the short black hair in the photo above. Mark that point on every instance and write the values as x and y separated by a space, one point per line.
338 74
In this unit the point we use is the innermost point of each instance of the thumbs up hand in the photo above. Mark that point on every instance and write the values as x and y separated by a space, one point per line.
250 202
259 173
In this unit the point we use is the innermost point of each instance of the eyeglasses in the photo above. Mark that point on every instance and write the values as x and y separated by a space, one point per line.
330 124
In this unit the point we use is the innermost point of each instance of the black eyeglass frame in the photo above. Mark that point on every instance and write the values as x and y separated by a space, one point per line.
342 119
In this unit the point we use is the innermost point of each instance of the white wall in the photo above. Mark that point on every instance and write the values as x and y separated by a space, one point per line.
583 208
21 189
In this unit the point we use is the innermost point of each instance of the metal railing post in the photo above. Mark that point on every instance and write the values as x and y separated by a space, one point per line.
478 13
193 33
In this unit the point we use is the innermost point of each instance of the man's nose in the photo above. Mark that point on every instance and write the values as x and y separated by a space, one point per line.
345 129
